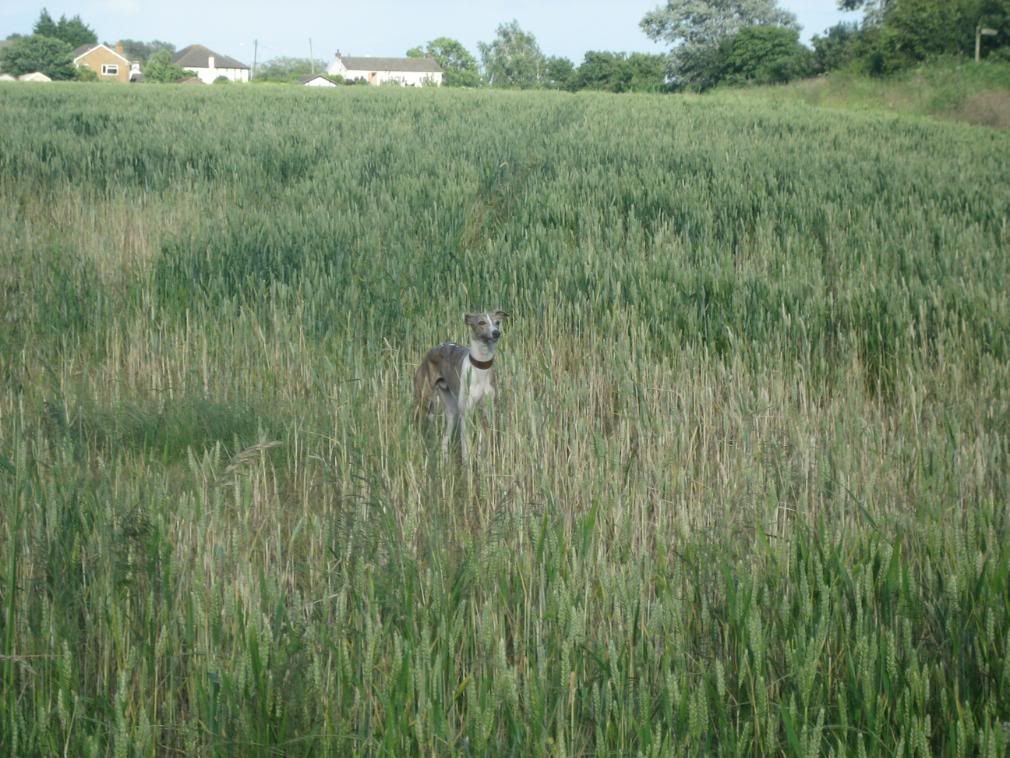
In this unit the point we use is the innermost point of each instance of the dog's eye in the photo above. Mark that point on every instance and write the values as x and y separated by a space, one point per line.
482 323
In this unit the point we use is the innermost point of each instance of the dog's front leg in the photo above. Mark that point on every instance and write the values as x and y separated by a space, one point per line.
492 416
451 419
463 435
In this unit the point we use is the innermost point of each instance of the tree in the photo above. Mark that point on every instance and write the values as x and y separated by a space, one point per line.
874 10
513 58
141 51
159 68
73 31
53 57
694 29
45 26
288 69
648 72
764 55
837 48
456 61
924 28
559 73
458 65
618 72
602 71
899 33
698 67
707 22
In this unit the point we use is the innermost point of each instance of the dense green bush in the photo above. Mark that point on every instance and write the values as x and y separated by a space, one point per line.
25 55
764 55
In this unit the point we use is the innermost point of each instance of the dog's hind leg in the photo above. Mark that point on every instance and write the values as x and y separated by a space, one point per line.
451 418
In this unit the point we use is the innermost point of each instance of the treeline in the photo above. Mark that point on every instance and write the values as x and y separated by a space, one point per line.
513 60
49 48
896 34
739 42
711 42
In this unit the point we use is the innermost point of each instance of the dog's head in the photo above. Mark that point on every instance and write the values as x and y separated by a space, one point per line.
486 325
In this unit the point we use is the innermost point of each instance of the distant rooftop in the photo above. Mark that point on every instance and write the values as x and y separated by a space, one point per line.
198 56
419 65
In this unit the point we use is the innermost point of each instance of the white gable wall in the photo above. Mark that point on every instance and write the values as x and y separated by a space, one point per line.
212 73
319 82
403 78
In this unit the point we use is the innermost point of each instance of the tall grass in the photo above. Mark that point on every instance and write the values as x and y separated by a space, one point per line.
746 492
952 89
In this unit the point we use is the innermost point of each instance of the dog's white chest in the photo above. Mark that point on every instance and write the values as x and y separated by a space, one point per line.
475 384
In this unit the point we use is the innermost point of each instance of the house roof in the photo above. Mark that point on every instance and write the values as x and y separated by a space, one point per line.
198 56
418 65
83 50
313 77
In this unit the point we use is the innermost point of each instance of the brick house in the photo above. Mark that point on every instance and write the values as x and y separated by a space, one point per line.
109 64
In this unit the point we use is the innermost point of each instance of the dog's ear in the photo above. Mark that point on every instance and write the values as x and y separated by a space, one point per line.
499 315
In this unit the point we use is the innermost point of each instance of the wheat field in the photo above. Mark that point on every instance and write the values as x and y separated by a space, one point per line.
745 492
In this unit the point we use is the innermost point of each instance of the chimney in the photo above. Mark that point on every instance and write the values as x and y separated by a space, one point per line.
119 47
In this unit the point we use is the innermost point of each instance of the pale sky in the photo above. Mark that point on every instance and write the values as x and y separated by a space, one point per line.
373 27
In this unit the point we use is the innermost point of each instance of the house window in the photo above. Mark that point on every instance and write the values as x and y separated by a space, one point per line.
110 69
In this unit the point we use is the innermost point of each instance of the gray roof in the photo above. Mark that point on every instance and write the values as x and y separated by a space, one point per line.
198 56
420 65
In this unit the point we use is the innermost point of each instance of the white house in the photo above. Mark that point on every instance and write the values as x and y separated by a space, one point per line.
34 76
318 80
210 66
407 72
7 78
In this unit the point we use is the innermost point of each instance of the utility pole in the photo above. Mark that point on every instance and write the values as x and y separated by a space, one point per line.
312 61
256 45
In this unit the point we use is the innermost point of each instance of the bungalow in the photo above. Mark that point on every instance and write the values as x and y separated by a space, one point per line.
108 64
210 66
318 80
407 72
